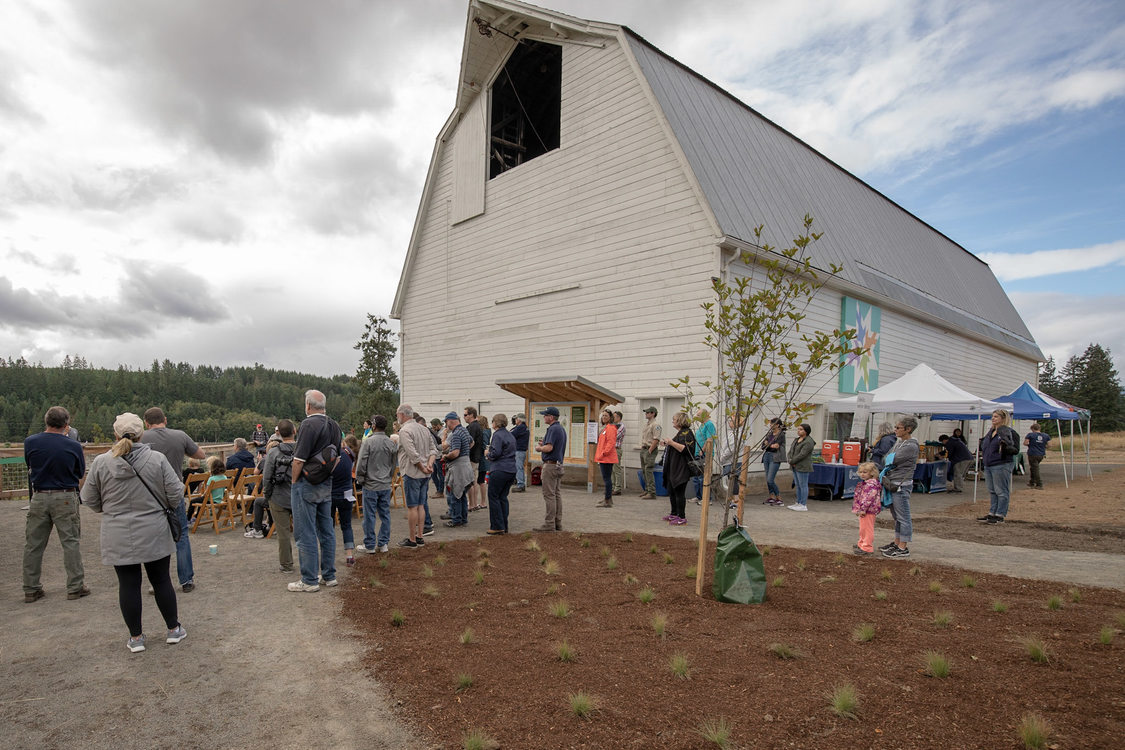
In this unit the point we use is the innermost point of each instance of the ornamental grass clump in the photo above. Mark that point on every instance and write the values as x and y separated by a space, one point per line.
478 578
440 561
659 624
885 574
552 589
935 664
1054 603
999 606
936 587
464 682
1106 634
844 701
630 578
679 666
611 563
566 653
801 564
585 543
532 545
1034 731
652 550
466 637
942 618
783 651
863 632
1075 595
689 571
880 596
431 591
374 582
778 582
560 608
668 559
427 571
477 739
1036 650
968 582
716 731
604 551
646 595
551 568
582 704
398 619
628 539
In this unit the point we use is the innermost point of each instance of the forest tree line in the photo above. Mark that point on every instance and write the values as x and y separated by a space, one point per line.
211 404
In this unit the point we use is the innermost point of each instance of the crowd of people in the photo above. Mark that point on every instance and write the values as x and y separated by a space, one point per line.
309 479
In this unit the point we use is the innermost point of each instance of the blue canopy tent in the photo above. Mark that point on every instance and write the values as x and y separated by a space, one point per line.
1029 402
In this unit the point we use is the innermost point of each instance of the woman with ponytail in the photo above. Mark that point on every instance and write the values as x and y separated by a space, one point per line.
131 485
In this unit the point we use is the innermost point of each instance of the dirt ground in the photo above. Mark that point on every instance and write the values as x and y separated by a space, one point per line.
262 666
498 632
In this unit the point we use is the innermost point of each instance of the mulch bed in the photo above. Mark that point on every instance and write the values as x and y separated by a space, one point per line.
520 692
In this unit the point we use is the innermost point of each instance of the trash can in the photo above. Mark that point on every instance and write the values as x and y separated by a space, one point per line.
658 474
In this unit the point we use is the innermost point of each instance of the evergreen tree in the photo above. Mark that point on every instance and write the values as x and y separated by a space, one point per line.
378 382
1095 386
1049 377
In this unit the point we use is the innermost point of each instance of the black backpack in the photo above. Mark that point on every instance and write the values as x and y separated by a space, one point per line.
283 465
318 468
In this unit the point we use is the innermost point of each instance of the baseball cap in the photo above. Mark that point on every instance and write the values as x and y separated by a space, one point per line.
521 415
550 410
130 424
452 415
650 410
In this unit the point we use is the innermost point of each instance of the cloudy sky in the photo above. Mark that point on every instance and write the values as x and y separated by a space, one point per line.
234 181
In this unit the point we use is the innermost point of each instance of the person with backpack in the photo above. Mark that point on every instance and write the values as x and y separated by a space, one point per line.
374 472
314 459
1000 443
277 483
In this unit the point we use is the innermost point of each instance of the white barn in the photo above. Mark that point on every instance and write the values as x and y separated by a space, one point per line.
585 189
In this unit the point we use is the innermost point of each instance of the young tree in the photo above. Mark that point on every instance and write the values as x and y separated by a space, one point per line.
766 359
377 379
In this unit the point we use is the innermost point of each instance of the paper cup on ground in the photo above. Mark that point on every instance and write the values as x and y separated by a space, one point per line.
213 549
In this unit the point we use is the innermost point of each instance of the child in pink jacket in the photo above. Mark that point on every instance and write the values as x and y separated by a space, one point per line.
867 504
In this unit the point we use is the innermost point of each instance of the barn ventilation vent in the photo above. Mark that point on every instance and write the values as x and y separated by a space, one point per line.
526 106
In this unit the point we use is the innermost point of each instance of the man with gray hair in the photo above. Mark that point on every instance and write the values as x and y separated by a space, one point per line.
55 466
416 454
241 458
316 455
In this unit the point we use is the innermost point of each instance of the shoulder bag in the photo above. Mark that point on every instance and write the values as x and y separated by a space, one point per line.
170 514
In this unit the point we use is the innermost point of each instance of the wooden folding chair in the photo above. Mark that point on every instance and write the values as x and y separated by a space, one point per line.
247 488
193 491
357 506
216 513
397 492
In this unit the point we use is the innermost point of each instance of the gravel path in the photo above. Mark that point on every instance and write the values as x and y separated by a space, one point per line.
262 666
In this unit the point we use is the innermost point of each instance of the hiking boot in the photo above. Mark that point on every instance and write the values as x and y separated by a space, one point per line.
176 634
136 645
84 591
995 519
897 553
33 596
986 519
604 504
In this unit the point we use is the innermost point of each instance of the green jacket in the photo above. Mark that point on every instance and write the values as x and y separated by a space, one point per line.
800 454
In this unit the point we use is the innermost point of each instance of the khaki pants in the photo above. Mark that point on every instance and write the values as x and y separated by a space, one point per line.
648 462
282 518
58 510
618 473
551 477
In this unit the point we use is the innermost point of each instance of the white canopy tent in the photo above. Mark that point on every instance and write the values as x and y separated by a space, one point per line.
922 391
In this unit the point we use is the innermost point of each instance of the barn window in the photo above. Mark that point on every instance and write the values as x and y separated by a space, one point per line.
526 106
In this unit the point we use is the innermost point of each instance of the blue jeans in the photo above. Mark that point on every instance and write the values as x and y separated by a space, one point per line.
312 524
184 570
458 506
801 480
998 478
900 511
376 502
438 477
772 465
499 483
521 459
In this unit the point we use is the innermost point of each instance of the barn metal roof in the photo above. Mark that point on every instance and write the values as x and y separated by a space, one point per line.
753 172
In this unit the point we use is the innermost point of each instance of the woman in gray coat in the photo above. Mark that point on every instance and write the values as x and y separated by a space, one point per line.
131 485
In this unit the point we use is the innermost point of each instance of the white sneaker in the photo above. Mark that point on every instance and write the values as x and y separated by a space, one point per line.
329 584
385 548
249 534
798 506
302 586
360 548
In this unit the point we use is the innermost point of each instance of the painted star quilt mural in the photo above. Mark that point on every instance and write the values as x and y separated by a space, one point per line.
860 372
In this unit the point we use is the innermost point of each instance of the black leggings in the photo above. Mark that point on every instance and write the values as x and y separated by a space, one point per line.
677 499
129 593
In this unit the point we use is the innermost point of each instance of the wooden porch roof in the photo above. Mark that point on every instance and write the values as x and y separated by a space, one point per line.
561 390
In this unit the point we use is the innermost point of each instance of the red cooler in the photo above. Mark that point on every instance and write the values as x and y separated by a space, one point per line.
851 453
829 450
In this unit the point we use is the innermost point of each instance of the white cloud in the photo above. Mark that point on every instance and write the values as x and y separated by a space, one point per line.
1065 324
1014 266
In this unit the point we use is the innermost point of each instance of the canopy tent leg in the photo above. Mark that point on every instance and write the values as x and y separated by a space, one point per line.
1089 474
1062 452
976 463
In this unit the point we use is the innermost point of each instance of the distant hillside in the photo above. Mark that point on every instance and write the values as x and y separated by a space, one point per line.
209 403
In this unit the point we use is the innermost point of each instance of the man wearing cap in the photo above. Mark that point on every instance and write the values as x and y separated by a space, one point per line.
650 441
459 474
552 448
619 467
438 477
175 445
55 466
521 434
258 438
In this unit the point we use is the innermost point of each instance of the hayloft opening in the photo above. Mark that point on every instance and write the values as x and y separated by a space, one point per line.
526 106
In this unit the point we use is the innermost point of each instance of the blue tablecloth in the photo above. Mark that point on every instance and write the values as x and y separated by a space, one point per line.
840 479
931 476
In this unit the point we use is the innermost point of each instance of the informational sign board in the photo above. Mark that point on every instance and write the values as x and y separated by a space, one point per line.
572 417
